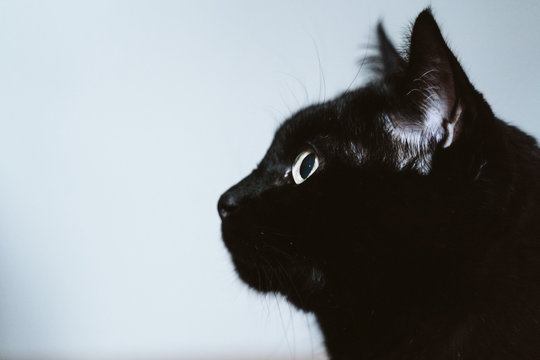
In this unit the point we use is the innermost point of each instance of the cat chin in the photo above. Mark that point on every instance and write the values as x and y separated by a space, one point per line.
268 261
302 285
255 276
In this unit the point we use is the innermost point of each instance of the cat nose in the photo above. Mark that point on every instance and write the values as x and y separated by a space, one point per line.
227 204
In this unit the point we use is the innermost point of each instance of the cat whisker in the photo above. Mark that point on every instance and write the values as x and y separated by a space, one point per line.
420 78
362 63
294 95
283 325
285 103
300 83
276 114
306 317
286 255
282 235
322 80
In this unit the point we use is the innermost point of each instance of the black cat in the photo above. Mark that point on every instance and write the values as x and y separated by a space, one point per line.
403 214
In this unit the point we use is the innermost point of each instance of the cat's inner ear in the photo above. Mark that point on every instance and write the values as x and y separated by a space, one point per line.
389 59
431 77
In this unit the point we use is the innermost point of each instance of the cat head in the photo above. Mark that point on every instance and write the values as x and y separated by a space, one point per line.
355 186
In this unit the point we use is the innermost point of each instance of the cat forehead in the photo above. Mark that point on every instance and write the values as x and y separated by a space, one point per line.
351 110
308 121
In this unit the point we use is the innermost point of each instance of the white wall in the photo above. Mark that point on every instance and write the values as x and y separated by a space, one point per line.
122 122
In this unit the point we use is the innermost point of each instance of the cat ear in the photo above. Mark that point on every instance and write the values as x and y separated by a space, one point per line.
389 58
433 73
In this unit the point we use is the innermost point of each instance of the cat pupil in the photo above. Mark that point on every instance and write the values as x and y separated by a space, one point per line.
307 166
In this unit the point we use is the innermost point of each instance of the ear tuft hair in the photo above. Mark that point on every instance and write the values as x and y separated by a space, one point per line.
385 61
391 61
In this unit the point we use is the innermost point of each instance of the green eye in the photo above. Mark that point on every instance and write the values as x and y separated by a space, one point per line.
304 166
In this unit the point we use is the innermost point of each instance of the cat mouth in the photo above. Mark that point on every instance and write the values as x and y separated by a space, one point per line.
256 246
256 255
266 268
258 266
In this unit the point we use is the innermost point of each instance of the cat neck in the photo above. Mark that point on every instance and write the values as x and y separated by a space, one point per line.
377 321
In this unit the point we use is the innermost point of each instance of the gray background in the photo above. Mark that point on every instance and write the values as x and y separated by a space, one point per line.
122 122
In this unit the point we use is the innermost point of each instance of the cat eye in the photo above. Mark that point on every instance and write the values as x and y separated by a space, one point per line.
304 166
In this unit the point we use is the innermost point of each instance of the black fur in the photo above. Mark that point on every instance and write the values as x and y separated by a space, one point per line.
402 251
